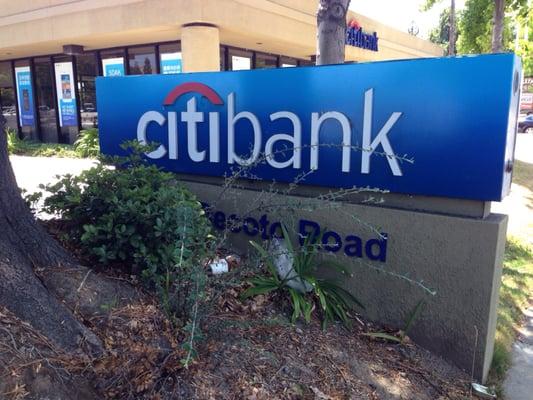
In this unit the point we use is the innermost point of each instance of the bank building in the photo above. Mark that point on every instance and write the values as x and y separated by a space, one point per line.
51 51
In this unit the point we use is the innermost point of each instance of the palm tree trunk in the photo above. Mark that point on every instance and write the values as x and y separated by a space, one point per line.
331 31
497 31
453 29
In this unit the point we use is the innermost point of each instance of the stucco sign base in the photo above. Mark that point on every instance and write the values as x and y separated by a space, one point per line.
459 258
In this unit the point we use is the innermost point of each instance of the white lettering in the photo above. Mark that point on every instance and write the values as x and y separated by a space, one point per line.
192 117
173 135
316 123
277 154
144 121
232 120
295 139
214 137
381 138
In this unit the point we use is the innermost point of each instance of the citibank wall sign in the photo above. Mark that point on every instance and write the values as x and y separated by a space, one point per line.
423 127
355 36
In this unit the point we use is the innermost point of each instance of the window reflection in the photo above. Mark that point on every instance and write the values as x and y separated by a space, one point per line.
142 60
44 88
265 61
86 75
170 59
7 95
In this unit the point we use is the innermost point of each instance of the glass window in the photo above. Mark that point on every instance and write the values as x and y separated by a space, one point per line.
170 59
223 66
265 61
305 63
26 99
113 62
44 90
86 73
239 59
6 75
8 105
142 60
288 62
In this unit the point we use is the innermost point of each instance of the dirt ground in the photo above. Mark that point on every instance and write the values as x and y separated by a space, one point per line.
250 351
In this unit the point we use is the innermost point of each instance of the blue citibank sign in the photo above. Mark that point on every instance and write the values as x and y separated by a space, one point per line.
435 127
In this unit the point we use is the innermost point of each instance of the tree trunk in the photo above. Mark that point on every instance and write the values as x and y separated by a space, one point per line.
497 30
39 281
453 29
331 31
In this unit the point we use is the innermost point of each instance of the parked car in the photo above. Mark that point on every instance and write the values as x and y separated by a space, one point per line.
526 124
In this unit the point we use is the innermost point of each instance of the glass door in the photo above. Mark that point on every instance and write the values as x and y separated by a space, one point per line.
46 106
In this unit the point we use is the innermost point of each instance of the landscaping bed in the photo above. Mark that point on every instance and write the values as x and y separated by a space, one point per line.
249 350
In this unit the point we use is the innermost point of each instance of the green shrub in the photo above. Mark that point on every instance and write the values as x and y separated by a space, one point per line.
13 140
138 217
87 144
332 301
25 147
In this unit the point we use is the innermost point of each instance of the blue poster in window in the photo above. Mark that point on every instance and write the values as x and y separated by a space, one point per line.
25 96
66 95
171 63
113 66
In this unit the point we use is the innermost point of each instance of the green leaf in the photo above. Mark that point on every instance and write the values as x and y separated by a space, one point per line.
256 290
382 335
295 296
321 297
413 316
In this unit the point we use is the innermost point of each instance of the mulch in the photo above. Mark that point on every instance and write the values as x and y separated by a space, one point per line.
250 351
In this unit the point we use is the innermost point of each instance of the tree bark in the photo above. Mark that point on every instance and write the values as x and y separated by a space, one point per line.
39 281
453 30
497 30
331 31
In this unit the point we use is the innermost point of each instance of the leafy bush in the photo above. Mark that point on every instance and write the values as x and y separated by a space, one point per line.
326 295
26 147
139 217
87 144
12 140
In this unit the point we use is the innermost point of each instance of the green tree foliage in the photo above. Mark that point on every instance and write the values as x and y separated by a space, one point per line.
525 46
476 25
441 34
428 4
445 33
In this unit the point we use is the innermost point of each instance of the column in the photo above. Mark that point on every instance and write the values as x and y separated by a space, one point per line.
200 47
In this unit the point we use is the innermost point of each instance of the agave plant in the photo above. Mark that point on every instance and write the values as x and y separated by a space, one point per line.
326 295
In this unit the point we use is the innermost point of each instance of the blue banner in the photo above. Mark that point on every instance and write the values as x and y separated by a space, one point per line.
435 127
68 113
66 95
25 96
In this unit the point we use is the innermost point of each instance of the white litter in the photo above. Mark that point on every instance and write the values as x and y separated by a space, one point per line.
219 266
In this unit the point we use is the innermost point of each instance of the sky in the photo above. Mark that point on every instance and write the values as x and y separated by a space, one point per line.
400 13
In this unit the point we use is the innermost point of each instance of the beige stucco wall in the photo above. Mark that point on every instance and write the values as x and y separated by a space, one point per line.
200 47
288 27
